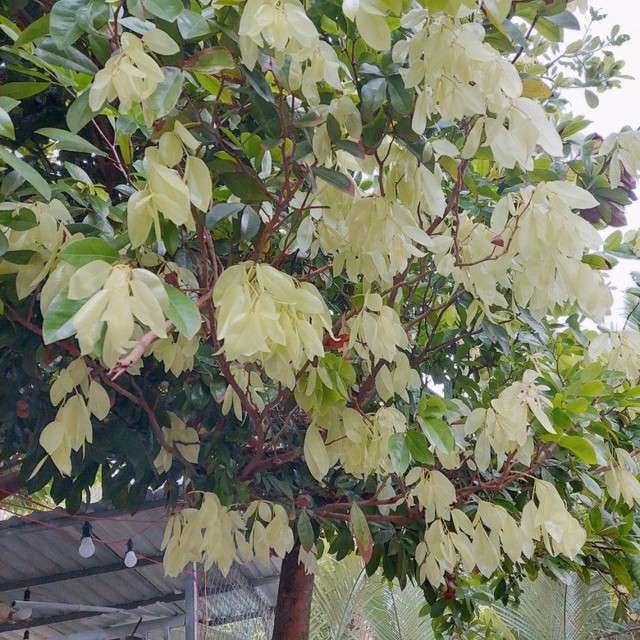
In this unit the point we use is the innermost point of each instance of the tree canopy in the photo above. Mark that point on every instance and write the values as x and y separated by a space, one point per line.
321 269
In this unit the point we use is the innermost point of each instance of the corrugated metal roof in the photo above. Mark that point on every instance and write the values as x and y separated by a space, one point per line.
40 552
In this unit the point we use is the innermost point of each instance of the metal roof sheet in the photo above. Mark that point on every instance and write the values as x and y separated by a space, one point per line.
40 552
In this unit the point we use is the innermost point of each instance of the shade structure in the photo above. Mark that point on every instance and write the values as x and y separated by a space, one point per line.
101 598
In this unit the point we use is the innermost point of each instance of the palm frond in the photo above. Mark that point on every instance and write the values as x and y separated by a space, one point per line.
570 610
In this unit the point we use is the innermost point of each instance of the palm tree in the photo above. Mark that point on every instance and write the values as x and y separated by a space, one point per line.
349 605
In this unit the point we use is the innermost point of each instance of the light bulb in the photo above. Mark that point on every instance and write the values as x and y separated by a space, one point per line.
87 548
24 613
130 558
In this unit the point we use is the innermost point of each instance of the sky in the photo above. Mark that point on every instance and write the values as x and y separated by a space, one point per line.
617 108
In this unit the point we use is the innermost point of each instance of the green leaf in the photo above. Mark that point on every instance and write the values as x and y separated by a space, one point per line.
58 323
438 433
67 58
21 90
618 571
79 113
580 447
25 219
192 25
549 30
37 29
399 453
418 447
566 20
401 97
166 95
305 531
6 126
249 224
183 312
591 98
361 532
168 10
373 94
68 141
19 257
64 26
27 172
351 147
335 179
211 60
4 244
259 84
220 212
81 252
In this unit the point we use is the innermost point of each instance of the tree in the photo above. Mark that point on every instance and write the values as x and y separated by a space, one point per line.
320 271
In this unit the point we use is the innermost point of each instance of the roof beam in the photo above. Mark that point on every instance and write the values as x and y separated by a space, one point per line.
78 615
18 526
38 581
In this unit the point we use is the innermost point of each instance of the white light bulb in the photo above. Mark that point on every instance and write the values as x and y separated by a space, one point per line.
24 613
87 548
130 559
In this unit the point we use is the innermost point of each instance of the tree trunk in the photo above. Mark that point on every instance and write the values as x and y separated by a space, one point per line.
293 609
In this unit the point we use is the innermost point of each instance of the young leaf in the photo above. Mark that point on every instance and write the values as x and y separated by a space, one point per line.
361 532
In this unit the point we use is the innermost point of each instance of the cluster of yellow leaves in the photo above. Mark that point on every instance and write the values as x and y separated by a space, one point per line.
166 192
376 332
358 443
251 385
457 75
72 425
619 351
116 296
393 231
624 149
44 239
370 19
548 246
347 115
283 27
220 535
396 378
183 438
621 478
264 315
504 426
131 75
541 243
411 183
176 352
451 537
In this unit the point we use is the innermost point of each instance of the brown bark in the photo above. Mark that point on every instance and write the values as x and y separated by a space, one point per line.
293 609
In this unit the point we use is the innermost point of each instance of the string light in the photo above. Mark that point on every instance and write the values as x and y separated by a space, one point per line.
130 558
24 613
87 548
